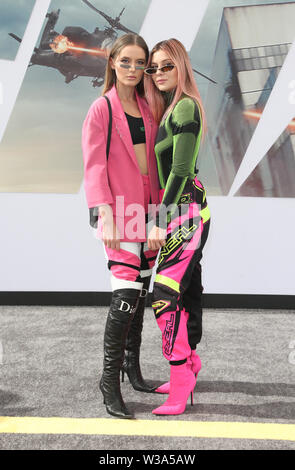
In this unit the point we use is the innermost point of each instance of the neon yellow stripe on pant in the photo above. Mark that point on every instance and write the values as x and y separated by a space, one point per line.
166 281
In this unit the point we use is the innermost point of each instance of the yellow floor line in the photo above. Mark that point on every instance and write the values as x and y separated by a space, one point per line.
140 427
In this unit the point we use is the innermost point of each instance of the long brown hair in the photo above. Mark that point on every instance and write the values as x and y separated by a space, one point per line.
128 39
186 82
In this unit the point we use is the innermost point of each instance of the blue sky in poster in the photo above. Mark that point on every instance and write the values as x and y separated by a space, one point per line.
14 16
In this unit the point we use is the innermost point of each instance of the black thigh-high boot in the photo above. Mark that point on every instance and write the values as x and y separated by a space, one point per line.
118 321
131 364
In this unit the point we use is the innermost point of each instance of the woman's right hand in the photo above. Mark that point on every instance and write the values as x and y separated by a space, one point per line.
110 232
157 238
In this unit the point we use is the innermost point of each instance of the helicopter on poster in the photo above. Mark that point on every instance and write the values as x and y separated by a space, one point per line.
75 52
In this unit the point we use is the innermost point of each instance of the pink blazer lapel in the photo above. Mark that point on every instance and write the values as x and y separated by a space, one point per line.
121 123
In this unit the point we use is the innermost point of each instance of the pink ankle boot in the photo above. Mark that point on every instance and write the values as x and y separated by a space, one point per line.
182 384
193 362
196 362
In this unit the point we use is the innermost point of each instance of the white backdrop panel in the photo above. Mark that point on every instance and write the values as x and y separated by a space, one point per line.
47 245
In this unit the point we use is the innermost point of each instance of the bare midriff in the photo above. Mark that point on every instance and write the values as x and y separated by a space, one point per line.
140 152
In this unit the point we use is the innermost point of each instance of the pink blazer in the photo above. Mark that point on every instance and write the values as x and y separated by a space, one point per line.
120 175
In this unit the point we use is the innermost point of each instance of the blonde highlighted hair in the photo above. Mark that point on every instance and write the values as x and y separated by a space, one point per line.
128 39
186 82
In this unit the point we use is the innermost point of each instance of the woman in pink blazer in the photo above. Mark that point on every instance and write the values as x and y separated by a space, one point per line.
122 186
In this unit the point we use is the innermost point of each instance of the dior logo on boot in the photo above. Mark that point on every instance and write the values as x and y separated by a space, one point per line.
143 293
124 305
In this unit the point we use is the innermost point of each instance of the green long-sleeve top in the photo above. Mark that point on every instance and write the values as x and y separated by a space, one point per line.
177 146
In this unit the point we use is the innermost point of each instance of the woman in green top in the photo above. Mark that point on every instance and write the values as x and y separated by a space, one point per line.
183 218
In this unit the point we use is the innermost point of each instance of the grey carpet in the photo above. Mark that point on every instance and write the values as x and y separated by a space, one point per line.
52 360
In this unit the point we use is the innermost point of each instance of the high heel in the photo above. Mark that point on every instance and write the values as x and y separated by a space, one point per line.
192 394
183 382
114 403
131 367
194 362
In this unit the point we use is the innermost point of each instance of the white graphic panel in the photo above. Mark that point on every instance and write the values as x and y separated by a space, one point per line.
173 19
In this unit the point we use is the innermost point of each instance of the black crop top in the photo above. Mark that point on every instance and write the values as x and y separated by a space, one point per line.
136 127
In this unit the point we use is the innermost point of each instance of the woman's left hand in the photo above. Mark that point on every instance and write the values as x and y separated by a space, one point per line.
157 238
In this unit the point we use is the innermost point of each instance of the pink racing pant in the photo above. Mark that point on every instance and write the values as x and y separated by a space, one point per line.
130 265
177 287
134 261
